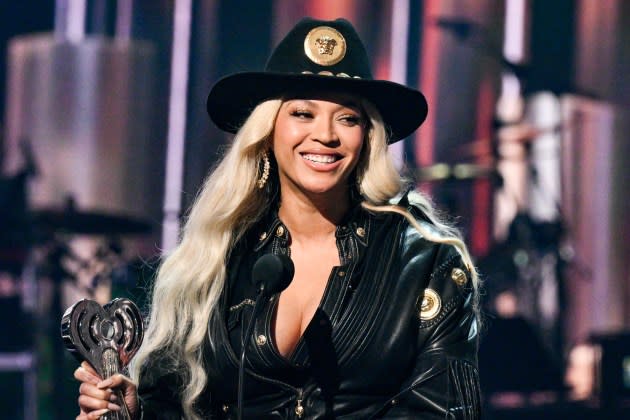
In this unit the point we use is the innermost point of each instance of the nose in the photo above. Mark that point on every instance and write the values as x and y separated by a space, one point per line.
324 131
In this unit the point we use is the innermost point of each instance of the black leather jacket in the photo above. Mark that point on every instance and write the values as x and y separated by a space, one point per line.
395 335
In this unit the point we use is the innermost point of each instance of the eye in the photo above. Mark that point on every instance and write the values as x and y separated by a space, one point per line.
301 114
350 119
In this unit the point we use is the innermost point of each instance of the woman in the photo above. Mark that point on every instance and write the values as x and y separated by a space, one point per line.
380 317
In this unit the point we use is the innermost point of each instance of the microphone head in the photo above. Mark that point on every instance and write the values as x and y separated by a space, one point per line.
272 273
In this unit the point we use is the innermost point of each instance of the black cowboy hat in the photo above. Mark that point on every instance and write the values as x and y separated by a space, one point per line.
317 56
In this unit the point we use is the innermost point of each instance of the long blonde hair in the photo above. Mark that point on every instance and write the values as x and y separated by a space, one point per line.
191 279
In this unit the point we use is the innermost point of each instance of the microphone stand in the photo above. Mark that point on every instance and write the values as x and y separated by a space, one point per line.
271 274
241 367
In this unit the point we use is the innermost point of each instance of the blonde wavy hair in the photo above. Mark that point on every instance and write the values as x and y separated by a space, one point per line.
191 279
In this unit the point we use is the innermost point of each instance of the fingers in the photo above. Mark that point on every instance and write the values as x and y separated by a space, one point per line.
97 414
87 366
85 373
93 415
95 392
92 398
116 381
97 396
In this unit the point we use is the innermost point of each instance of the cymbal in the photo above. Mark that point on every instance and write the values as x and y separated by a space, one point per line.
89 223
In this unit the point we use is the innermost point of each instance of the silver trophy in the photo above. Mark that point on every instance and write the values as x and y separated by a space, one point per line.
107 337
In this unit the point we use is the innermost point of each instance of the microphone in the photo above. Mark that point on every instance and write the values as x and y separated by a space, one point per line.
271 274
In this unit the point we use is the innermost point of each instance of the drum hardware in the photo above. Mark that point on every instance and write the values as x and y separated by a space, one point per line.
60 263
505 146
455 172
70 220
107 337
486 152
54 228
110 264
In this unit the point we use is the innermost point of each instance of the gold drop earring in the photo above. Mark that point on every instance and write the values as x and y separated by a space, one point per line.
265 171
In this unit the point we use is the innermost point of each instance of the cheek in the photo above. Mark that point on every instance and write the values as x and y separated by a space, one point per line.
279 131
285 136
358 145
361 151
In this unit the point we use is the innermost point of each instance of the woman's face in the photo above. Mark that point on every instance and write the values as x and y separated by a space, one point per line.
317 144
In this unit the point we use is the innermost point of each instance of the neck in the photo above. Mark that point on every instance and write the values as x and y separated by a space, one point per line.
312 216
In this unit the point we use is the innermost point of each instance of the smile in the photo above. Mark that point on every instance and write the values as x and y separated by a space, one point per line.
321 158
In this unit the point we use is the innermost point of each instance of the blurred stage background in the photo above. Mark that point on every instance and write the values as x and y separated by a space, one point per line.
105 141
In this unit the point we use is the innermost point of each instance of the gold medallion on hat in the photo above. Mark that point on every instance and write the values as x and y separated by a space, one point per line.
430 305
325 46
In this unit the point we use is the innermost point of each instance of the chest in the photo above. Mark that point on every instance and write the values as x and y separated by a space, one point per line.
298 303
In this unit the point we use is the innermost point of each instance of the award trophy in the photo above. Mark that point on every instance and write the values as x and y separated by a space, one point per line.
107 337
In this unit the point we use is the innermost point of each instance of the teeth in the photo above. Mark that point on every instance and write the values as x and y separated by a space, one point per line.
320 158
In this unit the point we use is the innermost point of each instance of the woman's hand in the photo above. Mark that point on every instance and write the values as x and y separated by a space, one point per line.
97 397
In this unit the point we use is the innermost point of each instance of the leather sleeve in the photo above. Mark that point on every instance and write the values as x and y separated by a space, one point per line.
158 391
444 380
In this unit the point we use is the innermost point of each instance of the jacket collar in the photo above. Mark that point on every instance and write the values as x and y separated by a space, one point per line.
355 225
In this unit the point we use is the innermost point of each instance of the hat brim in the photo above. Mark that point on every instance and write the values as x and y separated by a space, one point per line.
232 98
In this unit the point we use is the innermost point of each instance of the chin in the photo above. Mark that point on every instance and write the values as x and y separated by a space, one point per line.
325 189
319 190
321 186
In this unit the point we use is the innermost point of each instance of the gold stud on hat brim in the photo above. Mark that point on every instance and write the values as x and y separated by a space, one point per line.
325 46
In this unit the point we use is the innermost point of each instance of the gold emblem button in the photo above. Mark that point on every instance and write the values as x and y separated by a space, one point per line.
261 340
325 46
361 232
263 236
430 305
280 231
459 276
